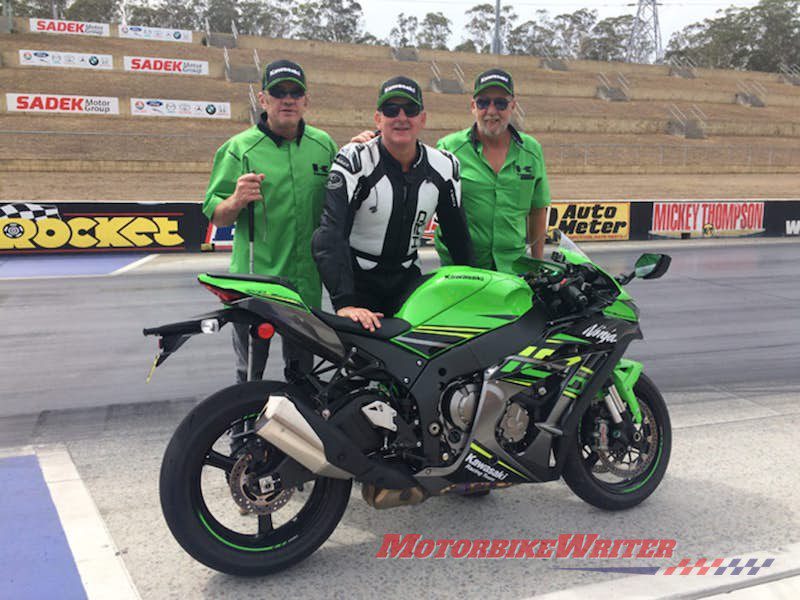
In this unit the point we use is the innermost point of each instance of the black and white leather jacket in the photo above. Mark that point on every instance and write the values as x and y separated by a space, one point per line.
375 215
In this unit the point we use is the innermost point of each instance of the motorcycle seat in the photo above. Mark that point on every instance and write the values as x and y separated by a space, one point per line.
256 278
389 327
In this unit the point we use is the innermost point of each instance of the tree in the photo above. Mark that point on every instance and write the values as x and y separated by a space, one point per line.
758 38
220 14
572 32
99 11
405 32
466 46
328 20
609 39
434 32
481 24
270 18
535 38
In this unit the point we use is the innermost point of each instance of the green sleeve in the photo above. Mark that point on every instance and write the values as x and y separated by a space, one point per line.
541 191
224 173
333 148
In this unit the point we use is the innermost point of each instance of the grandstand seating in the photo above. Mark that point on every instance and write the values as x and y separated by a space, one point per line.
580 133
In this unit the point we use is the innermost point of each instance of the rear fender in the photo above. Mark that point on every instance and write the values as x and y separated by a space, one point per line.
174 335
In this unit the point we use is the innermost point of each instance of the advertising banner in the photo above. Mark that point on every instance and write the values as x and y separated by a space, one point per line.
67 227
69 60
53 103
146 64
782 218
159 107
591 220
69 27
159 34
707 218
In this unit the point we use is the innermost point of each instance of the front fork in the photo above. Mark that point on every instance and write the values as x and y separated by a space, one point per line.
620 393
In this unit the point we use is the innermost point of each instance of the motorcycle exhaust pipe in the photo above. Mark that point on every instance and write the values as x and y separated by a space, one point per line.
323 448
284 427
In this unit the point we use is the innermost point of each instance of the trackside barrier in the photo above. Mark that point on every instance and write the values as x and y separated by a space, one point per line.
32 227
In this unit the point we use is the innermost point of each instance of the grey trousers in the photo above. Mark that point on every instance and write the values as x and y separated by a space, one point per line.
297 361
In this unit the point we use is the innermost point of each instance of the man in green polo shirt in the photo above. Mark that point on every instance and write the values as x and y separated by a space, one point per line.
281 164
504 186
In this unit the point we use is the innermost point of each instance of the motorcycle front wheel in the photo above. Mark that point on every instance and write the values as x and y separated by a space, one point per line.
622 470
214 498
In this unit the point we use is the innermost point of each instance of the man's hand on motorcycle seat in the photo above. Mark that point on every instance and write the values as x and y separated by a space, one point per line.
369 320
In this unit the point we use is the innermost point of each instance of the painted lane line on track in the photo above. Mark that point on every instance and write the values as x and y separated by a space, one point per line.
35 556
134 265
101 569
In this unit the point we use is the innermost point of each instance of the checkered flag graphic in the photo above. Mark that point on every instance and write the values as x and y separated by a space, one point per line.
719 566
28 210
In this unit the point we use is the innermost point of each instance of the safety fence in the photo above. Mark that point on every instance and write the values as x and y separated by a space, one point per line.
29 227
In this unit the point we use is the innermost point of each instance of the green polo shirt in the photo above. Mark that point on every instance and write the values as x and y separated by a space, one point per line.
497 204
294 194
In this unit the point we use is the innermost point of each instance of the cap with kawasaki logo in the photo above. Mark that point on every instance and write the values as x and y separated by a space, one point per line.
493 78
400 87
280 71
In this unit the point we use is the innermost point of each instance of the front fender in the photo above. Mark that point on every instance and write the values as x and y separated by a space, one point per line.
625 376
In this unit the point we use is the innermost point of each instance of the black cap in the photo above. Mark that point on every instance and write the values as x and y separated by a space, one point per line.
400 87
493 78
283 70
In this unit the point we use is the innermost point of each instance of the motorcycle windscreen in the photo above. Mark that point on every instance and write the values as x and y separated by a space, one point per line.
299 326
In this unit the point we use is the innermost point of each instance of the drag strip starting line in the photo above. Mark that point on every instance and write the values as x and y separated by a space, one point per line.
101 569
69 266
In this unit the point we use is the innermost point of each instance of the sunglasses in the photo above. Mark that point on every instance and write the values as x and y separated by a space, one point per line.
392 110
279 93
499 103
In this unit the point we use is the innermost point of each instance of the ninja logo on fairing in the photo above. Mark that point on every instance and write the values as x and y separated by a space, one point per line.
601 333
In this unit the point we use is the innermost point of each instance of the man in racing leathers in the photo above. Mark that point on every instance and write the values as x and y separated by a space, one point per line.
380 195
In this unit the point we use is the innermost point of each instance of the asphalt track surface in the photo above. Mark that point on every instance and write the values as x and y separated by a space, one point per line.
720 342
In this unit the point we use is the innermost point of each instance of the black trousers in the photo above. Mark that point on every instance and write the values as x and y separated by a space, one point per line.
385 291
297 361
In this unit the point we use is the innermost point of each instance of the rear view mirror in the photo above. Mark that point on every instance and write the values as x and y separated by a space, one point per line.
652 266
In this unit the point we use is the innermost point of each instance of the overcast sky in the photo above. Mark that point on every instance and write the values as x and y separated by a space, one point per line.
381 15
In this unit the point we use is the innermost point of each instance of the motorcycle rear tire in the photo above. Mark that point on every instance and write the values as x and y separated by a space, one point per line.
192 524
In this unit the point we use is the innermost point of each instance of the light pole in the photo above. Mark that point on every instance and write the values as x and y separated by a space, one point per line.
496 39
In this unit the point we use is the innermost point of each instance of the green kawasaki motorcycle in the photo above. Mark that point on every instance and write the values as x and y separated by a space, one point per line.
482 380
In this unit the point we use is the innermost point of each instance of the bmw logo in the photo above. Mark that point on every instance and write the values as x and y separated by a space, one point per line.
211 109
93 60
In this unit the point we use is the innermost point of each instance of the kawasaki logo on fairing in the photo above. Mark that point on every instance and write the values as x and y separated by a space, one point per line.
481 468
601 333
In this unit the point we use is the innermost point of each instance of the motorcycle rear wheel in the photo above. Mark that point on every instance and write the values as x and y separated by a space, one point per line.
198 506
588 474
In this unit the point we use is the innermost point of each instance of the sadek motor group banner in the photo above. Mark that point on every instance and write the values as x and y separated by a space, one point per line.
158 107
70 60
159 34
54 103
69 27
707 217
147 64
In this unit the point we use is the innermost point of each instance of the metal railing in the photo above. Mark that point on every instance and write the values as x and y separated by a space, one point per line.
227 59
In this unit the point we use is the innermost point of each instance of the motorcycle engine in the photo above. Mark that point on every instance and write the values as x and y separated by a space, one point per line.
514 424
458 404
